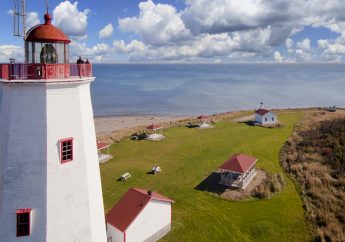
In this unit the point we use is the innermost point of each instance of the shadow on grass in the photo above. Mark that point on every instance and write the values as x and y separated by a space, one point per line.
138 136
192 126
249 123
210 184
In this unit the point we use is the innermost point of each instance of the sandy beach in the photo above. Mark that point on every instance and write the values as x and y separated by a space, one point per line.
114 128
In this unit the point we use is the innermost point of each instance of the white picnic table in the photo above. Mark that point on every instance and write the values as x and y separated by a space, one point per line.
125 176
156 169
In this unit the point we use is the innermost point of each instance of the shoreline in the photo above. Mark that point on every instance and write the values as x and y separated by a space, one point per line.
114 128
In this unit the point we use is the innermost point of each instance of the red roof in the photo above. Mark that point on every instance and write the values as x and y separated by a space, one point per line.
101 145
130 206
239 163
154 126
46 33
203 117
262 111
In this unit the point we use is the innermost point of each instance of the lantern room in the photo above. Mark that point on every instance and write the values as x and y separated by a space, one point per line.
46 57
46 44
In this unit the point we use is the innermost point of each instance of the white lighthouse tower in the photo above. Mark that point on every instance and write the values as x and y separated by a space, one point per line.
50 187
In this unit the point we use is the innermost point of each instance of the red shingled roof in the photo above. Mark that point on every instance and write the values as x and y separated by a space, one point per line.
46 33
101 145
262 111
203 117
154 126
239 163
130 206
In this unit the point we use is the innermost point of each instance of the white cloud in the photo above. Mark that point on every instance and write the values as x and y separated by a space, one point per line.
156 24
219 16
203 47
11 51
302 51
72 21
322 43
289 43
302 56
222 30
332 50
134 46
32 19
304 45
10 12
97 53
106 32
164 36
253 40
278 57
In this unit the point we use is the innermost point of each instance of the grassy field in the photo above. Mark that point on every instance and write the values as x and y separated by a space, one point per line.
186 157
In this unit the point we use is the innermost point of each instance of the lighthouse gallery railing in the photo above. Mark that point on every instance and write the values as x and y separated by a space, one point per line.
44 71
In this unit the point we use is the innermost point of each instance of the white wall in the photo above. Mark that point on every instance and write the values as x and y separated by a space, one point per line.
23 159
66 198
115 234
92 166
155 216
261 119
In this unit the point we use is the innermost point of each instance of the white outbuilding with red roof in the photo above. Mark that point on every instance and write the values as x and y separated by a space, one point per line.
153 135
103 157
238 171
264 117
140 215
204 122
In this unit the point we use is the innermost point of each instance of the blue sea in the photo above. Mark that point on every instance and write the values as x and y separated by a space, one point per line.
193 89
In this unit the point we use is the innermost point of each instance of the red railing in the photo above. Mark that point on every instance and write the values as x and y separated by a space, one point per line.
81 70
44 71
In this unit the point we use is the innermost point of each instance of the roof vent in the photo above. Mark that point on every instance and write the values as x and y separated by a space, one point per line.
149 192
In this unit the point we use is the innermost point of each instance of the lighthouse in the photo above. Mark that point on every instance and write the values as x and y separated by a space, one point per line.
50 187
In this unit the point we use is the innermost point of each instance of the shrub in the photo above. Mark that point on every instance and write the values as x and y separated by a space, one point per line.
315 157
271 184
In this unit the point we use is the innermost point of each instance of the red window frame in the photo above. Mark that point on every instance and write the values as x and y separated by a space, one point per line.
23 222
66 150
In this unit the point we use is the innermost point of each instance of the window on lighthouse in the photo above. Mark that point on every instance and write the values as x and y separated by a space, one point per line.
66 150
23 222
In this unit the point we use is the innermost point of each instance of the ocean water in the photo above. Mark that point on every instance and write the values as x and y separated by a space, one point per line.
193 89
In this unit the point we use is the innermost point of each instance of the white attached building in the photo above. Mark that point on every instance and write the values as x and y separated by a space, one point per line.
264 117
140 215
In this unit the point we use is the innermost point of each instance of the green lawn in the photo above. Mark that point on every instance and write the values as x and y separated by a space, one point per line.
186 157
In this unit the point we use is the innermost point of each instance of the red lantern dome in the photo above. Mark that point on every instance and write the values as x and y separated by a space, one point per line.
47 33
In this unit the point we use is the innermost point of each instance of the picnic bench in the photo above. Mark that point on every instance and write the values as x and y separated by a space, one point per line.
156 169
125 176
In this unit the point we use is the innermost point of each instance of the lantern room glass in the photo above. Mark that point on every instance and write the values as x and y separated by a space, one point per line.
46 53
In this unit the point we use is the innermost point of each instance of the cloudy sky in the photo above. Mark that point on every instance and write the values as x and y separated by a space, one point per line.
213 31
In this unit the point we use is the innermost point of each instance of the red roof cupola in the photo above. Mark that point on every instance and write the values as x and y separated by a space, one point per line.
47 33
239 163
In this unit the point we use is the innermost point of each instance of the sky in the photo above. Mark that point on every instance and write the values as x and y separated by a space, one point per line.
189 31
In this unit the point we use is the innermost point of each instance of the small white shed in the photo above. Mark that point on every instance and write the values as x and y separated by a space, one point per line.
263 116
153 136
140 215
